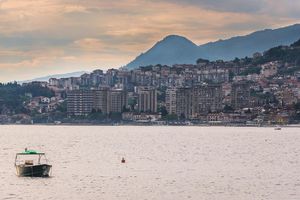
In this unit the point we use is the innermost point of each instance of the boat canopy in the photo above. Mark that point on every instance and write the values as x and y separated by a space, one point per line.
30 152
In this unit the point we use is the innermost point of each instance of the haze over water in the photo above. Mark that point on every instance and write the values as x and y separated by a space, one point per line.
162 163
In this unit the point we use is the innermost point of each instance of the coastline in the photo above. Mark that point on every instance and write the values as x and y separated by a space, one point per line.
154 125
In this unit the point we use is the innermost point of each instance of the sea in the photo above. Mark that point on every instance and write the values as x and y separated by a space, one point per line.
162 163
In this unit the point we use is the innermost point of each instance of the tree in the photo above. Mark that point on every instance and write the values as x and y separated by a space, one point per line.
296 44
161 94
62 107
297 106
132 102
171 117
236 60
97 115
125 109
115 116
201 60
251 70
228 109
182 116
163 111
231 75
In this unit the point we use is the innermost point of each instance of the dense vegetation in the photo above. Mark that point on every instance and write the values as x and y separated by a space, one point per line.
284 54
13 96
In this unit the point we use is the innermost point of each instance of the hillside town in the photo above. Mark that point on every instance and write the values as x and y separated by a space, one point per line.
262 90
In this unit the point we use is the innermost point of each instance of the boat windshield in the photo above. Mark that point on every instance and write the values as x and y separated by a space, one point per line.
30 157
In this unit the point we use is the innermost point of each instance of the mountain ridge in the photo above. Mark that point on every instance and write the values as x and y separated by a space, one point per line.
46 78
176 49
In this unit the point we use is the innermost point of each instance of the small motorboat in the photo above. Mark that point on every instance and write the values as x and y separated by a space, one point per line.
277 128
32 163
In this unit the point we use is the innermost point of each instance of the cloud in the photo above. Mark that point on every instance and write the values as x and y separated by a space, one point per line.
75 9
40 37
248 6
89 44
283 8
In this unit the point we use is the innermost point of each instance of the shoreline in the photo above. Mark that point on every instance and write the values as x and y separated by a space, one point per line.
155 125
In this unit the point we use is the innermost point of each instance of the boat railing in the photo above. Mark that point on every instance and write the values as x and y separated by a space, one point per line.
30 159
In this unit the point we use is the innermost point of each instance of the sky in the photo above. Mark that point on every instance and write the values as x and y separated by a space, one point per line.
45 37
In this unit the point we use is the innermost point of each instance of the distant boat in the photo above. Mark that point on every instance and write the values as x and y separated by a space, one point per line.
57 122
277 128
32 163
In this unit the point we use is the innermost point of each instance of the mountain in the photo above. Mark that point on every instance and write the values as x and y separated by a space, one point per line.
175 49
172 49
242 46
46 78
289 55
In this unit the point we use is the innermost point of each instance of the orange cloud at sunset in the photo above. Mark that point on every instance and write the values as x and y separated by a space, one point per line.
41 37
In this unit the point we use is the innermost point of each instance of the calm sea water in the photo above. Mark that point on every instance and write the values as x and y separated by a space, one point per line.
162 163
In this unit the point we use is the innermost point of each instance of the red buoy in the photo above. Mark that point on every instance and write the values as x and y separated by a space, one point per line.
123 160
